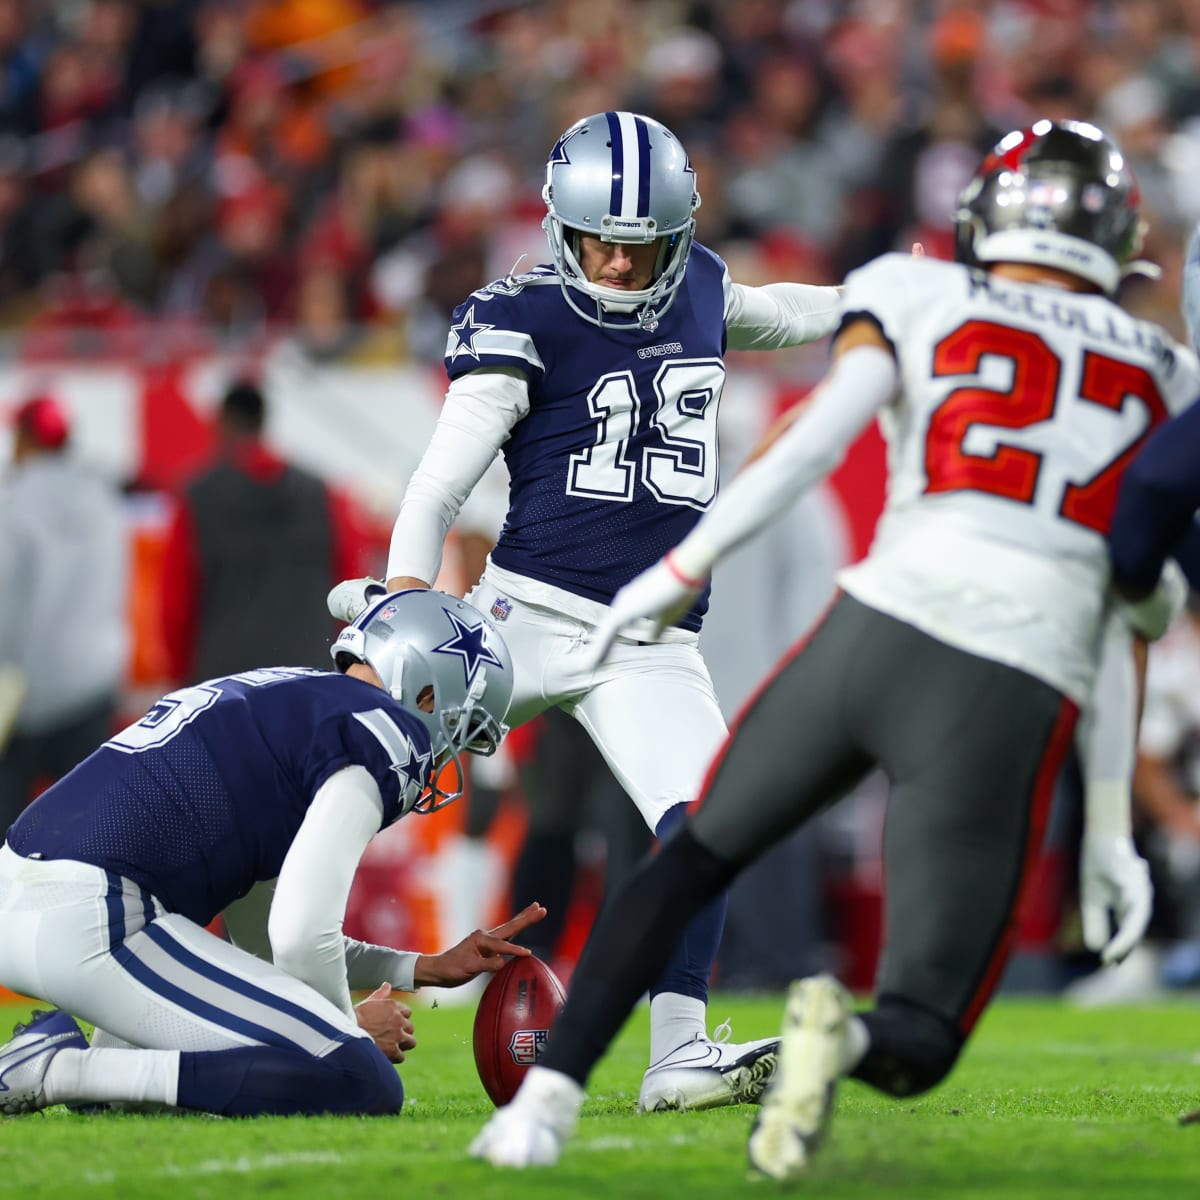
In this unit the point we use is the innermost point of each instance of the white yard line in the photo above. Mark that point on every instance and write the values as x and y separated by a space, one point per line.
243 1164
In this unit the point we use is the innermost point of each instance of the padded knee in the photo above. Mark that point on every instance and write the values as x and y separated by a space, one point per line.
911 1049
377 1083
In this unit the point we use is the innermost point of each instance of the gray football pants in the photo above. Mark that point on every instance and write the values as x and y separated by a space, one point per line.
972 749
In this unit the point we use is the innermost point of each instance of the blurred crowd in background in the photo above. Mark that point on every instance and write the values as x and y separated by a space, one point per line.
191 178
226 168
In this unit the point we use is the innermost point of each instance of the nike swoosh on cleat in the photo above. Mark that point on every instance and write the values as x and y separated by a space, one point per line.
710 1057
41 1048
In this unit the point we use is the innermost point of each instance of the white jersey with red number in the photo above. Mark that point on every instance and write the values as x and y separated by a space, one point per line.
1019 408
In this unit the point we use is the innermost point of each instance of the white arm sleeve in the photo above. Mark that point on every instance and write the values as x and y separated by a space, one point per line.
861 382
1106 736
779 314
305 922
479 412
368 966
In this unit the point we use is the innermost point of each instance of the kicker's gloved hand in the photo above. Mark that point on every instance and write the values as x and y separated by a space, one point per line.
1113 879
1152 616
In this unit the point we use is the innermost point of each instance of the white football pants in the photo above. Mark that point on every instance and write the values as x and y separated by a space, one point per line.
650 709
99 946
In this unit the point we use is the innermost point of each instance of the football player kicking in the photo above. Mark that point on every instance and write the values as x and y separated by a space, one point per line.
108 879
1013 393
599 375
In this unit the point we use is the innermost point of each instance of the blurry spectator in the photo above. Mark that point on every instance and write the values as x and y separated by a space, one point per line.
81 311
185 252
254 546
866 66
268 132
682 74
18 244
253 248
325 329
369 211
102 190
63 578
20 69
929 159
781 172
168 147
479 234
1135 114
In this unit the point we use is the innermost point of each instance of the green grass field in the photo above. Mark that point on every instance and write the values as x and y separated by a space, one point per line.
1047 1102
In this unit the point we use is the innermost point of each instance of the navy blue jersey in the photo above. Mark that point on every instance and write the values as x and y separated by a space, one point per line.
617 457
201 798
1155 517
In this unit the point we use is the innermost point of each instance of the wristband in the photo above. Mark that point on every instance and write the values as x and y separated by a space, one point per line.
694 584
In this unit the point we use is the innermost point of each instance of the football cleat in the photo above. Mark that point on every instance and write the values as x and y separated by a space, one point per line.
797 1106
532 1130
25 1060
706 1073
348 598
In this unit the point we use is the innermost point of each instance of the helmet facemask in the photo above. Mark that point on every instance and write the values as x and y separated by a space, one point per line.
468 727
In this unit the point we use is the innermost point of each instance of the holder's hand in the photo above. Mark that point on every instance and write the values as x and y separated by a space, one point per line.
388 1021
478 953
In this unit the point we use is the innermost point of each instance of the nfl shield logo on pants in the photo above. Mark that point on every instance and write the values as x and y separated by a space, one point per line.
501 608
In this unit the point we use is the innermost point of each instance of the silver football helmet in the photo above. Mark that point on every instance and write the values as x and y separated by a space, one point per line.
446 663
622 177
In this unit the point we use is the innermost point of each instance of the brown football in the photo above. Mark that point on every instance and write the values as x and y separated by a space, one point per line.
512 1021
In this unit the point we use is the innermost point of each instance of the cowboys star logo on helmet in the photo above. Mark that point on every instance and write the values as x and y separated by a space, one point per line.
470 643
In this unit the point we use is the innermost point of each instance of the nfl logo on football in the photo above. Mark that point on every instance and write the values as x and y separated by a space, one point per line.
526 1045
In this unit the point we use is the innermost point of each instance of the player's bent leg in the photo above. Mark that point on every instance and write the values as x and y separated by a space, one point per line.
353 1079
629 941
666 689
699 1072
965 826
910 1049
789 754
99 946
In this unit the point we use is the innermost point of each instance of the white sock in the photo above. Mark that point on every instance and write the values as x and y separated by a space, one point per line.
854 1045
103 1076
674 1020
